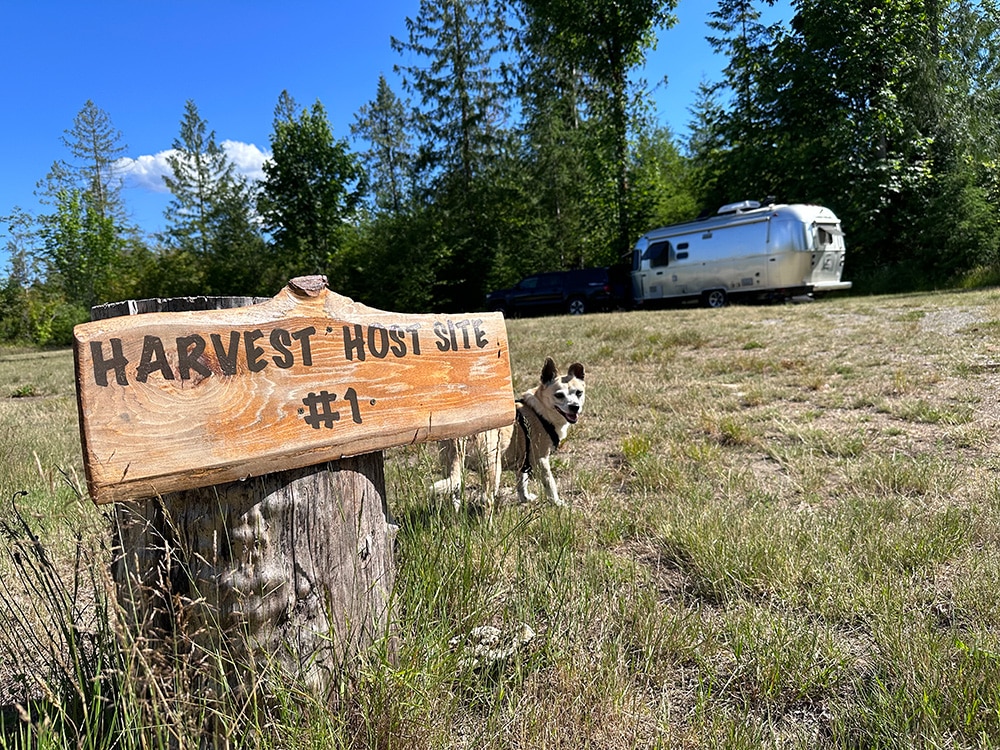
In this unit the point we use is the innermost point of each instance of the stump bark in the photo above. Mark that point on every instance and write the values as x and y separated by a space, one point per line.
288 573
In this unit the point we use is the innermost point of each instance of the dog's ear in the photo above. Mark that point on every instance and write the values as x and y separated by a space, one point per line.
549 371
576 370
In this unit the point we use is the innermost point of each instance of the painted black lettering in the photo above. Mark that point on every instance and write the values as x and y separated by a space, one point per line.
117 362
189 351
398 338
352 396
153 358
255 354
463 325
227 357
355 343
443 342
302 336
415 339
281 341
481 340
378 341
451 333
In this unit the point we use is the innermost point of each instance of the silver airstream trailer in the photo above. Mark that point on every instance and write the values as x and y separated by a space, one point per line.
745 249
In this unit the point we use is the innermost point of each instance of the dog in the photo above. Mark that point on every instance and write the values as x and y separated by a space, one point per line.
543 417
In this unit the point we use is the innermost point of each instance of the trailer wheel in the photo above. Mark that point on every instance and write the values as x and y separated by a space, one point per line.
714 298
576 306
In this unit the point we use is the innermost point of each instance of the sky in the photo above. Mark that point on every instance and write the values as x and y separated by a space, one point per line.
141 60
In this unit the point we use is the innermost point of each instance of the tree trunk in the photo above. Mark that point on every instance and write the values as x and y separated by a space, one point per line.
288 574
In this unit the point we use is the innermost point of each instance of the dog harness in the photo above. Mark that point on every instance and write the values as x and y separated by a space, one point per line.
549 428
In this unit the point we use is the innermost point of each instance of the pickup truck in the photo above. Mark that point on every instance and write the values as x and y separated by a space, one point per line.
553 292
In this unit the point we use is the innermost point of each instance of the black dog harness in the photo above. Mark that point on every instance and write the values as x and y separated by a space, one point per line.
549 428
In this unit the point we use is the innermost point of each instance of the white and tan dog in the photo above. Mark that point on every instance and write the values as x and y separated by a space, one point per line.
543 419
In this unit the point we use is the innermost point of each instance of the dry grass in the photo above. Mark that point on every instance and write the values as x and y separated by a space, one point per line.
783 533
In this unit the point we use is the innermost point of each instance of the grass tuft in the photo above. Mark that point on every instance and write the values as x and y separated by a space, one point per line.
782 532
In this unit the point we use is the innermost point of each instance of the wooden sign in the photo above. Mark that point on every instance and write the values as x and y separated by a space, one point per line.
174 401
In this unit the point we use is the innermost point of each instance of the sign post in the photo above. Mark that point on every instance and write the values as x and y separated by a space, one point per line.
243 449
175 401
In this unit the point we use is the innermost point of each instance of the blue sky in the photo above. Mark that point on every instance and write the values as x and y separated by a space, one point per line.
141 60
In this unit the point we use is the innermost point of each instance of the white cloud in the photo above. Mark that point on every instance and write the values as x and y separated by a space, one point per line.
249 159
146 172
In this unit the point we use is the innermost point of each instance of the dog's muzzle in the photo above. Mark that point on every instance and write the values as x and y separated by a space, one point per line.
571 413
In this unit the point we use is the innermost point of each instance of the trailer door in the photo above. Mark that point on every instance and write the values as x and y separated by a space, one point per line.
653 269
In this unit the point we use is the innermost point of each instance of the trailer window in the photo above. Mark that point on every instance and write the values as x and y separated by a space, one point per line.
826 232
657 254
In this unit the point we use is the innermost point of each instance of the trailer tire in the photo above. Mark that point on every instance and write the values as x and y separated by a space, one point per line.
576 306
714 298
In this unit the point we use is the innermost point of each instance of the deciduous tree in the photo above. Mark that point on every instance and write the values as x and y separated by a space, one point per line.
311 189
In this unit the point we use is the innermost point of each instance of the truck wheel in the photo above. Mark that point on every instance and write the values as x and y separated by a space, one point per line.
577 306
714 298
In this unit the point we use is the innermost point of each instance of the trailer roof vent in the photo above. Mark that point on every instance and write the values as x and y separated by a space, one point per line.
738 208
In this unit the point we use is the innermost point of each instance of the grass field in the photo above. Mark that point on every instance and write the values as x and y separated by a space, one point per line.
783 532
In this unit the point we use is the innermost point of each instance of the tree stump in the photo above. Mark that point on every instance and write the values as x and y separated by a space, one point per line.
288 573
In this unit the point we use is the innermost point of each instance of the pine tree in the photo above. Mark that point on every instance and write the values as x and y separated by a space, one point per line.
212 231
86 239
460 117
199 169
96 148
459 88
382 124
606 41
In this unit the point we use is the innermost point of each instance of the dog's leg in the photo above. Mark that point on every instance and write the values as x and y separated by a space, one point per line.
452 454
522 488
549 481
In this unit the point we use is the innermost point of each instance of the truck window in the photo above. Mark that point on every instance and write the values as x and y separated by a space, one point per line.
529 283
658 254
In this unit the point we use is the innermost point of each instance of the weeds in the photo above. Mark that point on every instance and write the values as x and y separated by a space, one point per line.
783 532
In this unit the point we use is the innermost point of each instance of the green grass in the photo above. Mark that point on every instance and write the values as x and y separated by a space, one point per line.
783 532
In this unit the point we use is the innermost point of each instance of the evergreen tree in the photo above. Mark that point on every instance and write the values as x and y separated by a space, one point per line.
606 41
382 124
461 102
86 241
95 147
461 110
199 171
212 232
561 192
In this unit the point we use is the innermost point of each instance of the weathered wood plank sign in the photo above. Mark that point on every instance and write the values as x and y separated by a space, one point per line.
175 401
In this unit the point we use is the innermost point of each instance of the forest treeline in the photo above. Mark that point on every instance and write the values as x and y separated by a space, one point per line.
521 138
